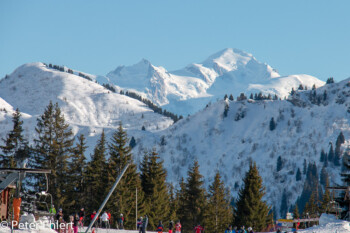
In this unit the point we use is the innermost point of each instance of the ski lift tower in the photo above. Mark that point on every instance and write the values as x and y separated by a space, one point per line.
15 176
346 197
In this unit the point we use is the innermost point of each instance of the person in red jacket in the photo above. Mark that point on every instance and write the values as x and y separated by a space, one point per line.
178 227
199 229
92 217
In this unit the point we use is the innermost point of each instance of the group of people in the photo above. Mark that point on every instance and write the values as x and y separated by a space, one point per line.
240 230
78 219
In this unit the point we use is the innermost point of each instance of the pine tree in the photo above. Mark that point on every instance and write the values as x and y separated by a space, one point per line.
331 153
296 213
284 204
298 175
323 156
326 198
272 124
123 201
96 178
250 210
53 145
76 175
173 203
153 181
16 147
231 98
132 143
193 203
219 209
323 176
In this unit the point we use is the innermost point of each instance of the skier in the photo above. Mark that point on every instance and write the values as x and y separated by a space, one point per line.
121 222
160 227
235 230
243 230
250 230
59 214
178 227
109 217
171 226
52 210
81 216
144 224
139 225
198 229
229 229
76 223
104 219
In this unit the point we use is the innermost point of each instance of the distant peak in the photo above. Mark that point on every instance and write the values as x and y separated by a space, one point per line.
144 61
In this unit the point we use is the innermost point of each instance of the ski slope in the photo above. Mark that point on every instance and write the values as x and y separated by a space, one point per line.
228 144
87 106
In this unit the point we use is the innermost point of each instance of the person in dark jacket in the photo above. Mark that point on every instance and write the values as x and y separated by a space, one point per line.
76 223
171 226
160 227
144 224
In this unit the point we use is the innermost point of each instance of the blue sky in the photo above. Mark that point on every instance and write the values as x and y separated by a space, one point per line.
310 37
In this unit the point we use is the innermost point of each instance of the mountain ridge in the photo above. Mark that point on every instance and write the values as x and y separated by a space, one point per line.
229 71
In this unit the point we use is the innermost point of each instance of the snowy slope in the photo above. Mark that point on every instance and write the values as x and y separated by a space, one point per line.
185 91
228 144
87 106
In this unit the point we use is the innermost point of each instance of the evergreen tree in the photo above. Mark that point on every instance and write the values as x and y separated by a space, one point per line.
330 80
296 213
272 124
173 203
53 145
231 98
310 185
279 164
96 177
16 147
323 176
181 200
337 151
219 209
193 203
298 175
331 153
250 209
326 198
132 143
323 156
153 181
225 97
284 204
123 201
76 175
311 208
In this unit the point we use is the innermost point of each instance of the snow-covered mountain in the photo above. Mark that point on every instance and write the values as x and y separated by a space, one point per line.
185 91
306 123
87 106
